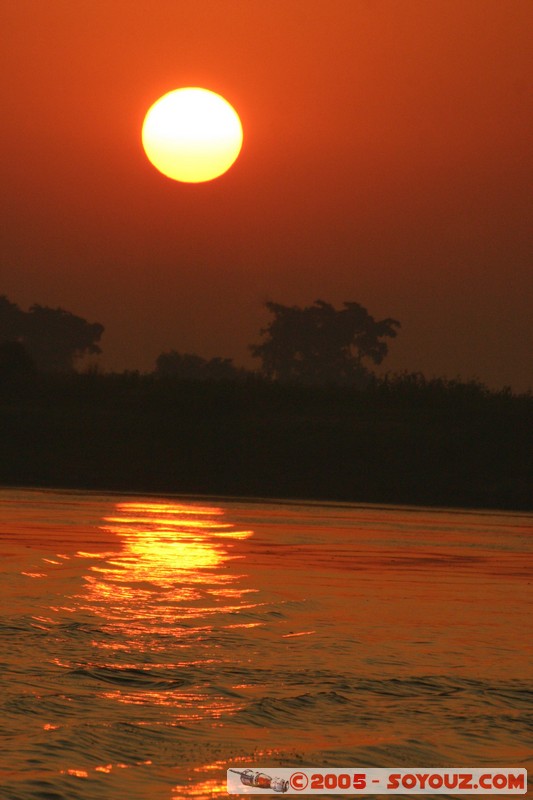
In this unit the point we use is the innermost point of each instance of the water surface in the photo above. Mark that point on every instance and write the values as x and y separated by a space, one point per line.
147 644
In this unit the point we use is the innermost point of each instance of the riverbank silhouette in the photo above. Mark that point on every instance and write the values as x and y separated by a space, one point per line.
404 440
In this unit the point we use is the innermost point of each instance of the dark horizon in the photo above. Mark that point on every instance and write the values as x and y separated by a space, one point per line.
408 441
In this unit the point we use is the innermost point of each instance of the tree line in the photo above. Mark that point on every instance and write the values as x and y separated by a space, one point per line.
311 422
48 339
314 345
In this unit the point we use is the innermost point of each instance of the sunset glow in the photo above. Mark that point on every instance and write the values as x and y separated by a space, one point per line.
192 135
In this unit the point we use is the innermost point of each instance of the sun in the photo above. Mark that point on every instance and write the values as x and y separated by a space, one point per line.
192 135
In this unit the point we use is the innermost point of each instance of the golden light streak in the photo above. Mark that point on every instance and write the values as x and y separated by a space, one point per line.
170 576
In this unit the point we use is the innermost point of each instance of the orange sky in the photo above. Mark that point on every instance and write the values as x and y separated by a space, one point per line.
387 160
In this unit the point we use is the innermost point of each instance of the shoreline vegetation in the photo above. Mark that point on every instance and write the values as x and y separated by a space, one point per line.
401 439
314 423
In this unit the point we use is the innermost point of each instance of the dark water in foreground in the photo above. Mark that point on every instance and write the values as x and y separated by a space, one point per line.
148 644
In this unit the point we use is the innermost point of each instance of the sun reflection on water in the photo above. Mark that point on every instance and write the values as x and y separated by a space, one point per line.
164 600
172 566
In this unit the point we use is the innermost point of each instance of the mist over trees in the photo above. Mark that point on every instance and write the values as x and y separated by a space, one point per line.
319 344
187 366
312 345
52 338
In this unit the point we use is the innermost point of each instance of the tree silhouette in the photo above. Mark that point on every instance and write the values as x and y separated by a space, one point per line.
192 367
53 337
14 359
11 321
320 344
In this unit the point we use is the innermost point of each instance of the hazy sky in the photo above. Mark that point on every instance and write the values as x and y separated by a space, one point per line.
387 160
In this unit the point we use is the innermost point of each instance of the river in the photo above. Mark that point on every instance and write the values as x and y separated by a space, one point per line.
149 643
